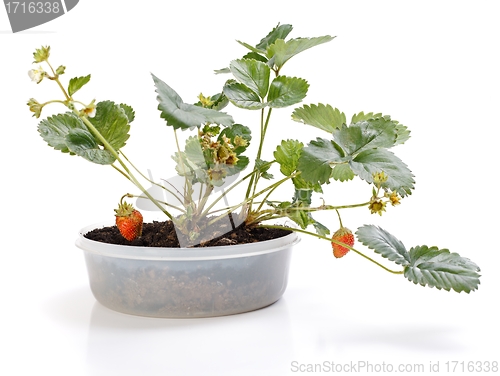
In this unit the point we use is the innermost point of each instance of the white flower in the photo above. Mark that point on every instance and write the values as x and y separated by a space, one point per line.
91 114
90 109
37 75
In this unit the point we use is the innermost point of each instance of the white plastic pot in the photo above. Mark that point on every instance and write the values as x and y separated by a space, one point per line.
187 282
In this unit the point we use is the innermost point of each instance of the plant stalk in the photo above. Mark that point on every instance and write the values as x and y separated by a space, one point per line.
336 242
113 152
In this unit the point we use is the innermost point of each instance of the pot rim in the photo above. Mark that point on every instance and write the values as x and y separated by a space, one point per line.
181 254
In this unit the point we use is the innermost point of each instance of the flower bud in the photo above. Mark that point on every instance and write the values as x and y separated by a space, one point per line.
394 198
379 178
240 141
41 54
206 102
35 107
60 70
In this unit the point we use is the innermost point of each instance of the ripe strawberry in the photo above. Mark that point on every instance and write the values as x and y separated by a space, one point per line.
343 235
128 221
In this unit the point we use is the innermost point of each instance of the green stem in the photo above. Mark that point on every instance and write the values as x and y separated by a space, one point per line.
114 153
336 242
269 188
55 101
327 207
107 146
272 186
149 180
331 207
161 202
265 199
187 184
120 171
232 208
265 217
56 79
251 174
204 200
340 219
263 129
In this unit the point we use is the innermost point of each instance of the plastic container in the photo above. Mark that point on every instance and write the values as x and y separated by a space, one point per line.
187 282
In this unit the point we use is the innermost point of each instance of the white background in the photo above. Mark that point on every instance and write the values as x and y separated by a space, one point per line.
432 65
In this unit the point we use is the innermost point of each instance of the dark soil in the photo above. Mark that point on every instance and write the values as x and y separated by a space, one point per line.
163 234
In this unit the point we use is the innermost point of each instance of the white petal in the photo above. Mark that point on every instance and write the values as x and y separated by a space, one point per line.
32 75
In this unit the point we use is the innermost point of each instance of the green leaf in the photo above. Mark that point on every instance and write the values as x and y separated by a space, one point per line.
76 84
67 132
300 183
112 122
281 51
183 166
263 166
363 117
82 143
239 166
253 74
285 91
194 153
384 244
365 135
400 178
279 32
220 101
242 96
320 116
304 196
402 133
300 217
182 115
287 155
342 172
222 71
433 267
363 145
129 111
237 133
55 128
318 159
251 48
321 229
254 56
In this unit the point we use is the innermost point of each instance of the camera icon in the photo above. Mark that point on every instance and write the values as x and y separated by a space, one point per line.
171 191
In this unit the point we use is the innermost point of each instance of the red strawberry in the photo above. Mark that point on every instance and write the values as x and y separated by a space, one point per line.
343 235
128 221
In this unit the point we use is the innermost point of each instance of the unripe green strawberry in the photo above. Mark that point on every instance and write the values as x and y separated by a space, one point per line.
129 221
343 235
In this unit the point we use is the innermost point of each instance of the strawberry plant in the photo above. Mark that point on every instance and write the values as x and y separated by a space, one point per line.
212 159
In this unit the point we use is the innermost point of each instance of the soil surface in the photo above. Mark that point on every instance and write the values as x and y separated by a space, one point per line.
163 234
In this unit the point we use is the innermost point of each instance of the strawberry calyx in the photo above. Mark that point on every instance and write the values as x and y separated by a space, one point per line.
124 209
